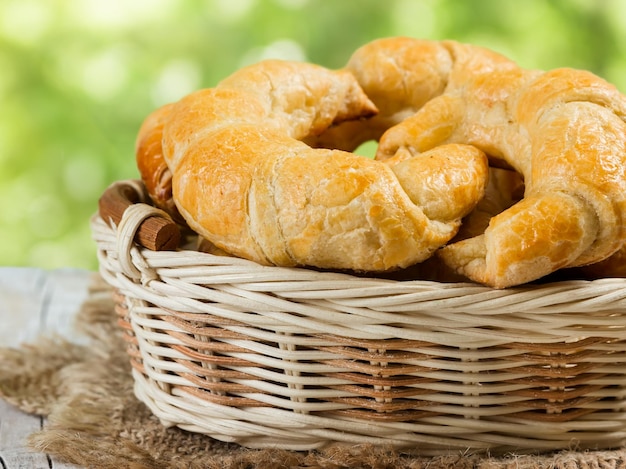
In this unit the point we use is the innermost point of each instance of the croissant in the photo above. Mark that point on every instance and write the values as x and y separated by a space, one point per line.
243 178
563 130
504 189
151 164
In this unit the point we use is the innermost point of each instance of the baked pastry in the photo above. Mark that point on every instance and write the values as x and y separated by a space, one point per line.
152 167
257 169
243 178
504 189
563 130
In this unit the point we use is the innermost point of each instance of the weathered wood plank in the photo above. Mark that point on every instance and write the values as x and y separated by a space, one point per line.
21 300
15 426
64 292
34 302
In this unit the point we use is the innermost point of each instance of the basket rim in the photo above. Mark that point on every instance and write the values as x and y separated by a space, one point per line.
186 258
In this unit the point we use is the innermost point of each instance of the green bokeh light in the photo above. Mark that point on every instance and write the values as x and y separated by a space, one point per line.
79 76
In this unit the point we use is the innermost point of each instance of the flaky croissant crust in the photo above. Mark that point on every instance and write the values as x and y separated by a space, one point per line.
243 178
251 173
563 130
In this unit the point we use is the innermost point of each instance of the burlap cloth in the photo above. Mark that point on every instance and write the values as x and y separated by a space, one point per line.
94 419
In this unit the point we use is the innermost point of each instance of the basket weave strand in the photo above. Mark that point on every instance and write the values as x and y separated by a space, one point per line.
300 359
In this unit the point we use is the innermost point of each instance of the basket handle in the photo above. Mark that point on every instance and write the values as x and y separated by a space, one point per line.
156 233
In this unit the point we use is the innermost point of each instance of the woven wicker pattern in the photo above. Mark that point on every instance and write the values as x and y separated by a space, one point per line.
298 359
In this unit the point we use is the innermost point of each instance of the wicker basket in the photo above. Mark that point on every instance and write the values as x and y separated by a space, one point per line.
299 359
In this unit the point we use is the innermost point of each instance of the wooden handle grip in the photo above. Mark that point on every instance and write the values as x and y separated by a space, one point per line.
155 233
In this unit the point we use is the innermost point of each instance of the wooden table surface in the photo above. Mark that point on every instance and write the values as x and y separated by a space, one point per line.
34 302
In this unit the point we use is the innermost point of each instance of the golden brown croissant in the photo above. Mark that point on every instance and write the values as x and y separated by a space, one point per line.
562 130
504 189
153 169
243 179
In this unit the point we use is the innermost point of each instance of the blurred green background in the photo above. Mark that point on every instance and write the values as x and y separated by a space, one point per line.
77 77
